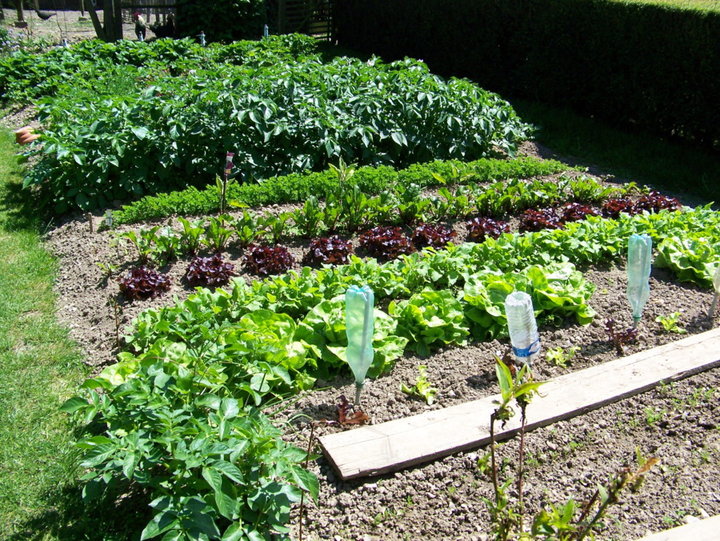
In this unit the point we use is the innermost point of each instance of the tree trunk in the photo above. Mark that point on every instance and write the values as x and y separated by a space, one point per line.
20 11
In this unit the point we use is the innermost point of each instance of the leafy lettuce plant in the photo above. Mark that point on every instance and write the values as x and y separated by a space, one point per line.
266 260
209 271
430 319
692 258
143 283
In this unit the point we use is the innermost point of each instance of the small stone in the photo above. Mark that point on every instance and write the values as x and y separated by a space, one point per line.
689 519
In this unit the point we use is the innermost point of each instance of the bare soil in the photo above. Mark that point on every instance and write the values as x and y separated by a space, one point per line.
677 423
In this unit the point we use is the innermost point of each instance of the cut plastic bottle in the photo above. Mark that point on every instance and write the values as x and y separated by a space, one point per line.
638 269
360 324
716 286
522 326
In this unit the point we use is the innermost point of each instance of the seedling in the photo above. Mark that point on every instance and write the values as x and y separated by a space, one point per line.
620 338
670 323
422 388
568 521
561 357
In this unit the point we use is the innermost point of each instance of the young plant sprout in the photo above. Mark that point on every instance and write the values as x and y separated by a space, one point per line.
359 322
522 326
638 269
716 286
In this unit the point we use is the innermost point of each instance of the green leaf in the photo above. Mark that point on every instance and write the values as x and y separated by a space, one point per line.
213 477
234 532
229 470
307 481
73 404
140 132
229 408
160 523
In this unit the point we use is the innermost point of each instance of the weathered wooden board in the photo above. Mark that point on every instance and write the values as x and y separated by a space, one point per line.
376 449
702 530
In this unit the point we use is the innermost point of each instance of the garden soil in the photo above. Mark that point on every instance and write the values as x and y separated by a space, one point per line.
444 499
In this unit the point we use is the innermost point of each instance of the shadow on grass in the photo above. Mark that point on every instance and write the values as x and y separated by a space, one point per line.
625 155
19 210
119 515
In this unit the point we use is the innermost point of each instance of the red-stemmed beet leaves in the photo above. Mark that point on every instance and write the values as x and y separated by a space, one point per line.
143 283
209 271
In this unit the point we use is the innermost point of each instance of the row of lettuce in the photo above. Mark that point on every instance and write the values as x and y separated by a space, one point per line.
152 118
180 413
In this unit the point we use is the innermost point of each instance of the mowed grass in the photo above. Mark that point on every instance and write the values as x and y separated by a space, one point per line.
40 367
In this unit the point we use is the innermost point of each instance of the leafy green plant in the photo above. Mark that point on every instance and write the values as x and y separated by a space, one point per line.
173 132
430 319
248 228
298 187
217 234
422 388
211 467
560 356
693 257
670 323
143 241
190 236
309 218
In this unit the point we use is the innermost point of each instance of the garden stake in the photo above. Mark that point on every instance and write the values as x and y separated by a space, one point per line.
89 217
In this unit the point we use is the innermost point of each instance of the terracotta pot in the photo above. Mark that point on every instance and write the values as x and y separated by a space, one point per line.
25 135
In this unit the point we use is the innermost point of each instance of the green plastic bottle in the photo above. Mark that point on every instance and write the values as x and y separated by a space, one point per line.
360 325
638 269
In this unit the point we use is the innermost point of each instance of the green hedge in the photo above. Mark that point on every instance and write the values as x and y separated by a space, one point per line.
653 66
298 187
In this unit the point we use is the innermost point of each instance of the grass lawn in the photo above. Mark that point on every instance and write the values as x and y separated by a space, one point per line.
638 157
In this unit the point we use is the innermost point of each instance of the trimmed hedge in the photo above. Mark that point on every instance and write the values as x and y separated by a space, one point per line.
298 187
654 66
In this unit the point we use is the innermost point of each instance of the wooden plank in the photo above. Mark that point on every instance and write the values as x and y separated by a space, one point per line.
390 446
702 530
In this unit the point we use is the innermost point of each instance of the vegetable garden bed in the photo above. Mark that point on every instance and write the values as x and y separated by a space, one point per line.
415 503
184 419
